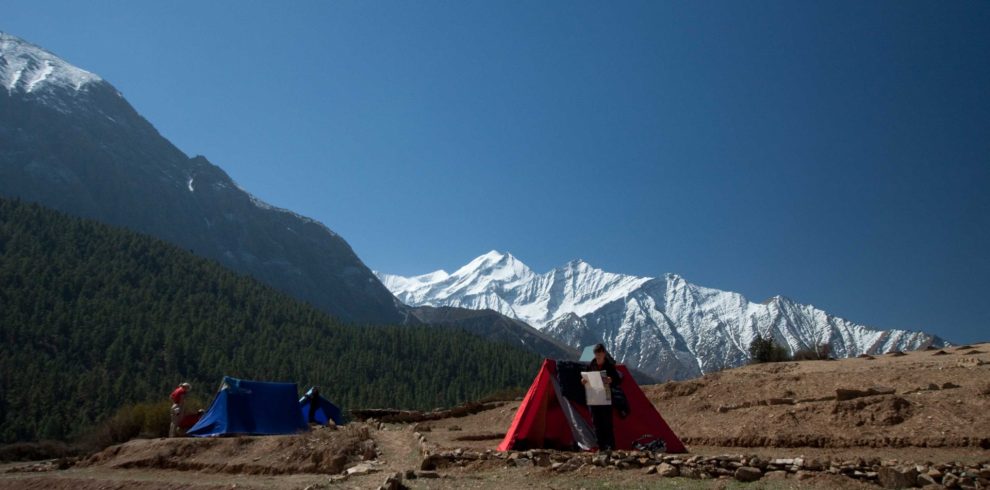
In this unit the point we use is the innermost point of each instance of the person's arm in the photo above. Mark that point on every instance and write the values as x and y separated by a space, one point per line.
613 373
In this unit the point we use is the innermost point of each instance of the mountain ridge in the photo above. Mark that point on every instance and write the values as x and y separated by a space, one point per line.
664 326
72 142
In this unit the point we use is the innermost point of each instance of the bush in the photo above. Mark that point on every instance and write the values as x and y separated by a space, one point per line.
766 350
140 420
34 451
818 353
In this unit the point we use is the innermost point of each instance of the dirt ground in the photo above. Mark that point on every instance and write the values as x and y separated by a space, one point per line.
921 407
935 398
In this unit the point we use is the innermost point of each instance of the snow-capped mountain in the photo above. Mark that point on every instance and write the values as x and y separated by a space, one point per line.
665 327
28 68
69 140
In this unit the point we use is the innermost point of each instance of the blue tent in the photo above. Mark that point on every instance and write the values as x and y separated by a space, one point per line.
251 407
325 411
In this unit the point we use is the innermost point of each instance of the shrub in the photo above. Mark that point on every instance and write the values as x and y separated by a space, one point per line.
139 420
766 350
818 353
33 451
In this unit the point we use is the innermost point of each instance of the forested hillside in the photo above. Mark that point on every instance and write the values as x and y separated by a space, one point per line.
94 317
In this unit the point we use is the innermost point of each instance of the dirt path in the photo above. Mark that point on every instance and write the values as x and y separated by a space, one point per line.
399 449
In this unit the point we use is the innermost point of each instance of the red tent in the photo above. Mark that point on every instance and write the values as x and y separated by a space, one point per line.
547 419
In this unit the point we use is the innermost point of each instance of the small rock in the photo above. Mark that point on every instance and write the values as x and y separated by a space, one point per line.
410 474
804 475
360 469
454 427
427 474
393 482
667 470
650 470
925 479
894 477
776 475
748 474
950 481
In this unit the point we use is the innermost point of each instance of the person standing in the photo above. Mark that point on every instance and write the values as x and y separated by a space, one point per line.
178 410
313 398
601 415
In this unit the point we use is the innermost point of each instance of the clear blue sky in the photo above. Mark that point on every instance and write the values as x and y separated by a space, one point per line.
837 153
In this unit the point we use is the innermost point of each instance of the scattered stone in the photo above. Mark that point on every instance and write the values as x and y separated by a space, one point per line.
393 482
893 477
947 386
650 470
950 481
410 474
668 470
429 463
925 480
748 474
804 475
427 474
360 469
454 427
776 475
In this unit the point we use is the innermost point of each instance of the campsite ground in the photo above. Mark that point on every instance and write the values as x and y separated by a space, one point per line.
926 408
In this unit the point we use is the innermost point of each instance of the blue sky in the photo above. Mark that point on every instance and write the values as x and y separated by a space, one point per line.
837 153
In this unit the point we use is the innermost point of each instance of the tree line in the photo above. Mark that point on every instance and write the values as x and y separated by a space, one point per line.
94 317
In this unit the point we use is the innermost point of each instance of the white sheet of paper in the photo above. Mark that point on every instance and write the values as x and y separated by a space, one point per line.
595 390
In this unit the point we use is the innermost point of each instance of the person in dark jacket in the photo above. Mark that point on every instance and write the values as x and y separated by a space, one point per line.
313 397
601 415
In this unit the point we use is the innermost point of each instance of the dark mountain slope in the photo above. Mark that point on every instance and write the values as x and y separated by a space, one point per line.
84 150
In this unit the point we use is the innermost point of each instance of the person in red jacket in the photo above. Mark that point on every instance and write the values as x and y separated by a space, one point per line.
178 410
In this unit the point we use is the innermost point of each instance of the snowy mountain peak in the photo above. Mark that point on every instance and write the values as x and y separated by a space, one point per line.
27 68
495 265
668 327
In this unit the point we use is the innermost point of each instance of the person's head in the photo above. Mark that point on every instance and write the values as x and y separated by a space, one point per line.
600 354
186 385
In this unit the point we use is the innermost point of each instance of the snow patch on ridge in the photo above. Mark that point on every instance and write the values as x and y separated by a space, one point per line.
27 68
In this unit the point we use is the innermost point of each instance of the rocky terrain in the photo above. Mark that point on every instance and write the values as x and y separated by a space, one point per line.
899 420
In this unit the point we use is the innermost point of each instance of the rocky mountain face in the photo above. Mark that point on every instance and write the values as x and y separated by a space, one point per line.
69 140
666 327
